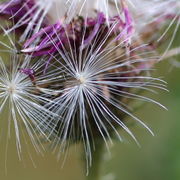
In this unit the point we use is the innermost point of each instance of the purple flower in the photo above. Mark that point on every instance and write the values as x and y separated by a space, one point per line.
79 32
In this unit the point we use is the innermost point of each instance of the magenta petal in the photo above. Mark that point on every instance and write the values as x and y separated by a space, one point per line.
100 20
45 34
16 8
21 13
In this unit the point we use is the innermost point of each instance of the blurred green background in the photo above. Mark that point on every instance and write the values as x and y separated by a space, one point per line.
158 158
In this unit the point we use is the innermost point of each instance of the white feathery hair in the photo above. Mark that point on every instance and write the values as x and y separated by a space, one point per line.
40 10
66 10
143 12
90 85
21 106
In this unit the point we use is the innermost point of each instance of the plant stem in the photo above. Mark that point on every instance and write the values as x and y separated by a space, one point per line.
97 155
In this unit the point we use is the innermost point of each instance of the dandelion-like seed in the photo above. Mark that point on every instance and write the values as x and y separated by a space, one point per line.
24 107
99 75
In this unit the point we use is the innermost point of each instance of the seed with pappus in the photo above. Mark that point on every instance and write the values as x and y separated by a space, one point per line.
21 108
100 75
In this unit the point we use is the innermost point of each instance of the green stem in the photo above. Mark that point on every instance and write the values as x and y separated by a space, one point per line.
97 155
